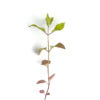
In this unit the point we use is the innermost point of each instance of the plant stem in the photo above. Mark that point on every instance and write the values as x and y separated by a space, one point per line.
48 65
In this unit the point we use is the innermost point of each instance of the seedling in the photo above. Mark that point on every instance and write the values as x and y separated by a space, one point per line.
48 49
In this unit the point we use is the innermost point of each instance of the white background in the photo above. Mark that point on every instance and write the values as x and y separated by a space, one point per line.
77 68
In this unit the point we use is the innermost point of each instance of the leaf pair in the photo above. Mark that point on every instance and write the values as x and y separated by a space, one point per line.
43 81
59 45
42 91
49 21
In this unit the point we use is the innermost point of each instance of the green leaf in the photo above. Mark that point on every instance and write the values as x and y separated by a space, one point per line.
41 28
51 47
49 20
39 51
60 45
58 27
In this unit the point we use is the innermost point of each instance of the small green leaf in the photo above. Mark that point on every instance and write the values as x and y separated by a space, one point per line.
60 45
39 51
41 28
51 46
49 20
58 27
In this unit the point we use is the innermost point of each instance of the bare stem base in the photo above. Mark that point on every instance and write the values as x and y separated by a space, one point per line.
48 67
